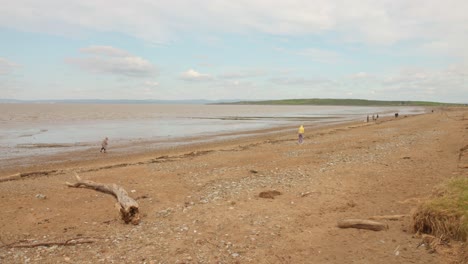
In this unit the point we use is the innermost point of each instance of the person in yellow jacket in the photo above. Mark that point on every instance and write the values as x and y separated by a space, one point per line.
301 134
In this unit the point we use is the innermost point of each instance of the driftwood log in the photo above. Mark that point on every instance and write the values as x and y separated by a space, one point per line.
362 224
11 177
127 206
22 175
69 242
388 217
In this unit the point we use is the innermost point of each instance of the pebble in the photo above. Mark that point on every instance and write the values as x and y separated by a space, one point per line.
41 196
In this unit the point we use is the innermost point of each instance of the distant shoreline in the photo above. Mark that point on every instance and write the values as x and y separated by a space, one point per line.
311 101
345 102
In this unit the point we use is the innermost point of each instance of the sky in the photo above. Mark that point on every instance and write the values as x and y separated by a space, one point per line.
238 49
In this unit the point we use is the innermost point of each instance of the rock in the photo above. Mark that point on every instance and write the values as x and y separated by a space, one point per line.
41 196
166 212
269 194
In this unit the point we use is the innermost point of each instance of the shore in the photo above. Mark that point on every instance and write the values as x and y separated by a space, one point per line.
200 203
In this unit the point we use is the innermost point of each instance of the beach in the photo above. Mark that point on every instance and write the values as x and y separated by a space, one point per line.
200 202
48 131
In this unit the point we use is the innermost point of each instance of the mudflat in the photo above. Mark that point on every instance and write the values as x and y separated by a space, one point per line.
260 199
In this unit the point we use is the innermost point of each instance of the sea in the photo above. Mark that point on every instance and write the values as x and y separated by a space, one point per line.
31 129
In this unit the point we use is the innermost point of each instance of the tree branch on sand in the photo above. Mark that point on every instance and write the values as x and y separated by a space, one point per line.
69 242
388 217
362 224
127 206
21 175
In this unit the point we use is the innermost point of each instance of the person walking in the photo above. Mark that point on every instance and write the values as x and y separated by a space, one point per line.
300 139
104 145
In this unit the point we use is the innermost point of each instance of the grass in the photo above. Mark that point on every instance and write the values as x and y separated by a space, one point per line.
447 213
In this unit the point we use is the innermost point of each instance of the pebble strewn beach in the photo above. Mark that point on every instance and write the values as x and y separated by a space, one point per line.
257 199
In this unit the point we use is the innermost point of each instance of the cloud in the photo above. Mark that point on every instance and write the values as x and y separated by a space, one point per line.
243 74
404 79
368 22
318 55
105 51
300 81
192 75
314 54
360 75
410 83
417 84
151 84
6 66
110 60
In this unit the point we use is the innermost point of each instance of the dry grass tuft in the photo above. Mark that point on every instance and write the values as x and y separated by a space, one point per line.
463 254
446 215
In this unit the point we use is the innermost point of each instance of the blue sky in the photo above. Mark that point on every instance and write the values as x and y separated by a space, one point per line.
207 49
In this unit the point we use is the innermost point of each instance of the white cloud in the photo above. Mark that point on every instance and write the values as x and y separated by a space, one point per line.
241 74
313 54
192 75
442 85
105 51
433 27
110 60
318 55
6 66
368 21
417 84
360 75
151 84
301 81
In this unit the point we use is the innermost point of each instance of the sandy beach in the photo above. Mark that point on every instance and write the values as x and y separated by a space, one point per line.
200 203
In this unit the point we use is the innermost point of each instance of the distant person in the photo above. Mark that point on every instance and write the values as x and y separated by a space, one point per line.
367 118
373 117
377 117
300 139
396 115
104 145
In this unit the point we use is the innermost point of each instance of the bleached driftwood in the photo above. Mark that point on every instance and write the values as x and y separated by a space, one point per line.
388 217
21 175
69 242
11 177
362 224
128 207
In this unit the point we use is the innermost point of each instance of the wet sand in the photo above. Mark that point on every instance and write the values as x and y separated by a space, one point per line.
200 202
49 131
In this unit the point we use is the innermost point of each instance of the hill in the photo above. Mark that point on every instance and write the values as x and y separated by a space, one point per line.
346 102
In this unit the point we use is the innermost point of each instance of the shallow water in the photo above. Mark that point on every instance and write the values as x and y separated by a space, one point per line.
40 129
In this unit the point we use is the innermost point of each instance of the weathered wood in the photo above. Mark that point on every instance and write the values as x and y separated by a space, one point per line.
70 242
21 175
11 177
362 224
128 207
388 217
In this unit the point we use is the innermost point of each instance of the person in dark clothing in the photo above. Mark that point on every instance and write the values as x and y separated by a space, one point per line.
104 145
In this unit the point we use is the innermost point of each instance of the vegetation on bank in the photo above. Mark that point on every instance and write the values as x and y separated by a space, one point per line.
447 213
343 102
